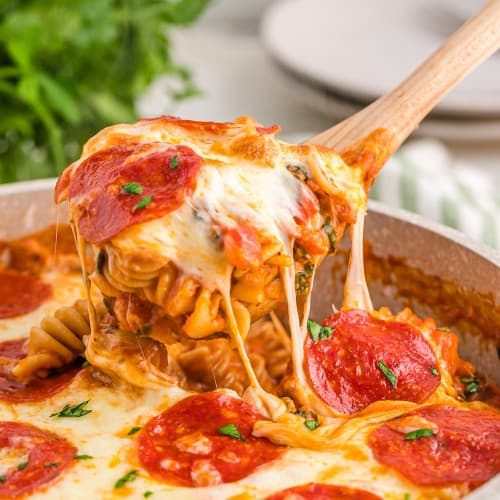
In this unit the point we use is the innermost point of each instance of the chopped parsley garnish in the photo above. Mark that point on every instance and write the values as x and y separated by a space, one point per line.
407 496
2 479
311 424
330 232
85 364
472 387
317 331
73 411
434 371
22 465
393 380
82 457
132 188
174 163
132 431
51 464
147 494
143 203
303 279
471 384
443 329
232 431
129 476
419 433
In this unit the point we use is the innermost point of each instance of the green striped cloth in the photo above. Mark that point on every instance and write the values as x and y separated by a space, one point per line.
421 178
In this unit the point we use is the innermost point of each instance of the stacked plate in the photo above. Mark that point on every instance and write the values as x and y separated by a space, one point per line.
339 56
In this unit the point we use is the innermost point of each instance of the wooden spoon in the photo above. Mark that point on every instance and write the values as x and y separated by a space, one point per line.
372 135
400 111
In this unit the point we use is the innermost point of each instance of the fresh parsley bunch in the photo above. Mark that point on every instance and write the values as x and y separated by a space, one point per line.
69 68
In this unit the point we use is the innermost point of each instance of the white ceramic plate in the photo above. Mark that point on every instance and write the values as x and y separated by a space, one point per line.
364 48
336 108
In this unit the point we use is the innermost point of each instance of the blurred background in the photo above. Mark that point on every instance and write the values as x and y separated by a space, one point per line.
69 68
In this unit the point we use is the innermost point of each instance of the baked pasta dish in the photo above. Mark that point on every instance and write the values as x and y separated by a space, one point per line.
186 365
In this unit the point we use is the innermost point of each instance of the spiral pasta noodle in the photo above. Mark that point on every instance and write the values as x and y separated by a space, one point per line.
58 341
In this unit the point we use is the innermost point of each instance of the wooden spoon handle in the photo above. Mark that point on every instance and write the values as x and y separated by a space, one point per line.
401 111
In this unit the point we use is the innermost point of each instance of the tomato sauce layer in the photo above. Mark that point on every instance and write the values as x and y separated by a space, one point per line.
21 294
164 176
366 359
38 389
204 440
439 445
36 458
317 491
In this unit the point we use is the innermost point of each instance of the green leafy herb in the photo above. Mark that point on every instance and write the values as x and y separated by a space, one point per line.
418 434
2 479
232 431
22 465
129 476
330 232
143 203
78 410
51 464
174 163
132 188
472 387
317 331
434 371
85 364
83 457
407 496
57 86
471 384
132 431
393 380
147 494
443 329
303 279
311 424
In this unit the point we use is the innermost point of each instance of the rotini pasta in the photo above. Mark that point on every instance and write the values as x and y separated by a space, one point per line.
58 341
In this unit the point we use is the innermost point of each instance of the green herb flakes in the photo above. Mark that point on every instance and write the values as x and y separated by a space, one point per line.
78 410
127 478
391 377
83 457
132 431
147 494
317 331
143 203
311 424
434 371
51 464
232 431
418 434
132 188
174 163
22 465
443 329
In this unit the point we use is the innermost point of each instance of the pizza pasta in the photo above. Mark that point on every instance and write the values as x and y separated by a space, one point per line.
186 364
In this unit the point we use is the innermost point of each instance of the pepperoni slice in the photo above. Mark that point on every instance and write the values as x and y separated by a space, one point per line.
36 390
464 449
317 491
37 458
21 294
346 369
166 173
183 445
